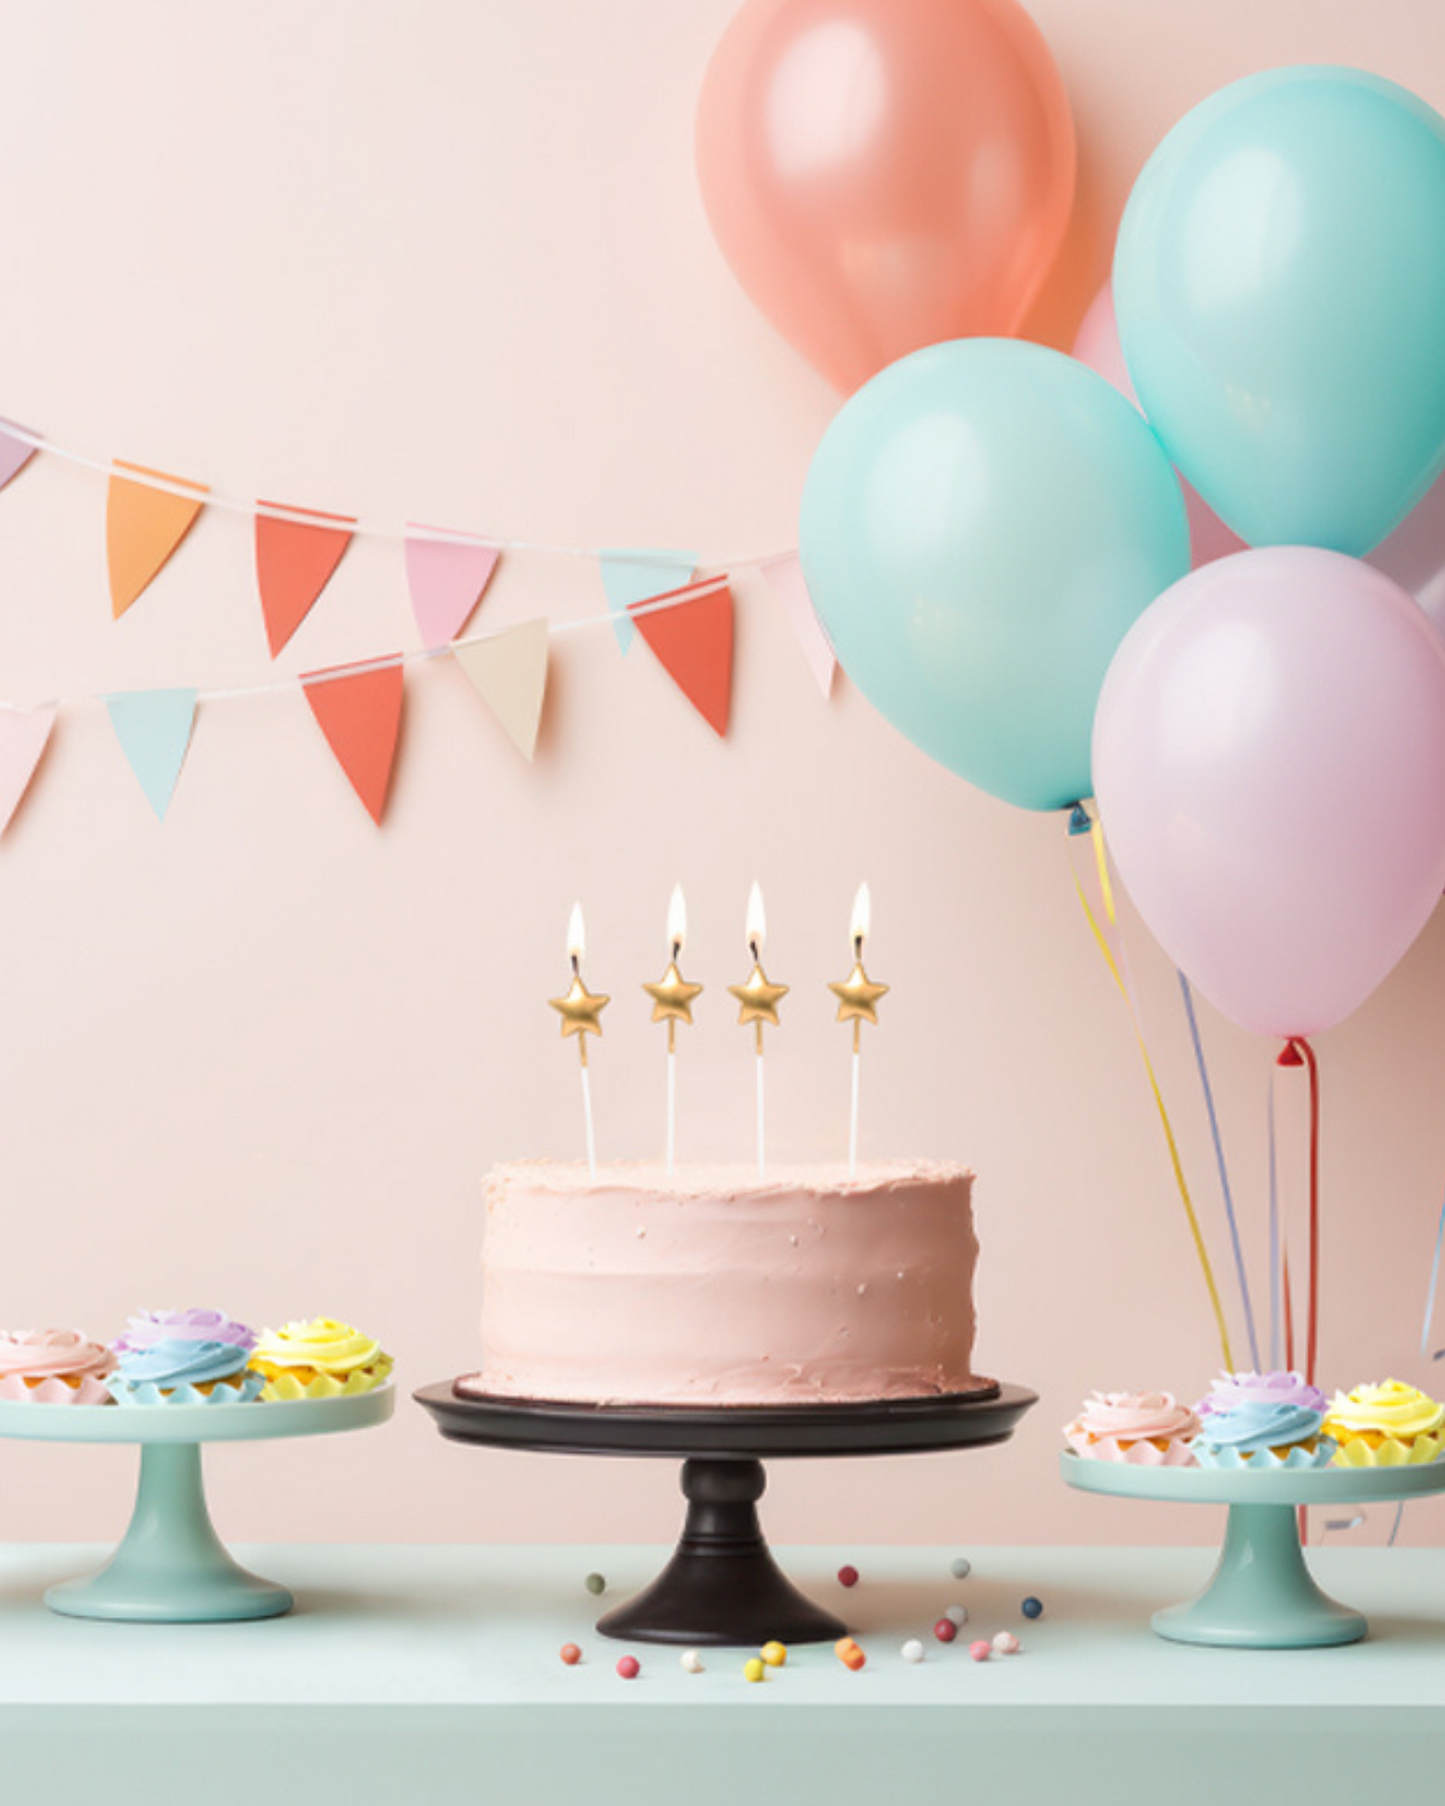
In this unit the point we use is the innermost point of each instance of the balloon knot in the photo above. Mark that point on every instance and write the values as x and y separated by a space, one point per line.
1079 822
1290 1054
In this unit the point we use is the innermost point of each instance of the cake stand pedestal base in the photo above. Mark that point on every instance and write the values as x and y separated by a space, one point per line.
722 1576
1262 1595
171 1568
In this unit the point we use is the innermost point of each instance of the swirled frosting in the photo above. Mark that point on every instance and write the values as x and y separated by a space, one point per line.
53 1366
147 1328
1257 1424
1233 1390
1392 1409
1133 1426
323 1344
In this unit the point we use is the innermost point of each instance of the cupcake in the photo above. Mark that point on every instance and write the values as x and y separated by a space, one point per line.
184 1358
1148 1429
53 1367
319 1359
1393 1425
1262 1420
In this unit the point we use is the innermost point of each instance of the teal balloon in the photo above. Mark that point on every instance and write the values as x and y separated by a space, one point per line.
1279 281
982 524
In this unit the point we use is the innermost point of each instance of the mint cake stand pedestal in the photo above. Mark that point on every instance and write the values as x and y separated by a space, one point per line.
1263 1595
172 1568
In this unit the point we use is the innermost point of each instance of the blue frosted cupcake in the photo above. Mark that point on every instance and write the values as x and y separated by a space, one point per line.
184 1358
1263 1420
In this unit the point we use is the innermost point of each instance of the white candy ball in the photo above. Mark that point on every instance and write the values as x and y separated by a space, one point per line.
957 1615
691 1661
1006 1643
912 1650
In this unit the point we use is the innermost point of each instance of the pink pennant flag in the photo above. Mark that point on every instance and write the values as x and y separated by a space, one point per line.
785 576
24 736
15 452
360 714
447 574
296 552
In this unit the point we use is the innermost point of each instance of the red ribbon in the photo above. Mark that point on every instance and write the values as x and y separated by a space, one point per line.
1298 1052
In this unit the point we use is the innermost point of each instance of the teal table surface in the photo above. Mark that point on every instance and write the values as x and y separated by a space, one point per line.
432 1673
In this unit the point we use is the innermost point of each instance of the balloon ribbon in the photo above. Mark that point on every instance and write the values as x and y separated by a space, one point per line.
1298 1052
1106 890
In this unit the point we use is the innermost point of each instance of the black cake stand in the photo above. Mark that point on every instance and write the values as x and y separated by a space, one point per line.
722 1585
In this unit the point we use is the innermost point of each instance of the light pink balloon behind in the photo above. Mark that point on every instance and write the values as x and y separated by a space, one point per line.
1269 760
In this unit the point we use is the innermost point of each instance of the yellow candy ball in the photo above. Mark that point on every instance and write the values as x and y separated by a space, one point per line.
754 1669
774 1654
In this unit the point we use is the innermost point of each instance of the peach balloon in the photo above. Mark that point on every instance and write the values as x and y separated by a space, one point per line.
883 174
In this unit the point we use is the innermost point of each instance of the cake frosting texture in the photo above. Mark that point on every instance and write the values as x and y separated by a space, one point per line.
716 1287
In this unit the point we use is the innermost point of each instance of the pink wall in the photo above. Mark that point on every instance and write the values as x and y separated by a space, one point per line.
449 263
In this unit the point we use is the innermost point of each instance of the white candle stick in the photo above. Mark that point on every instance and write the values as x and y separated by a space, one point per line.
672 1000
581 1013
857 1003
758 1001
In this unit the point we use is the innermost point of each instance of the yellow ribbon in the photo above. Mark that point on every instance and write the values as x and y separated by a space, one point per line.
1101 860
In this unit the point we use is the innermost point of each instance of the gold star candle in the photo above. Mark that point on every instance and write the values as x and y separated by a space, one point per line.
581 1013
858 1003
672 1000
758 1002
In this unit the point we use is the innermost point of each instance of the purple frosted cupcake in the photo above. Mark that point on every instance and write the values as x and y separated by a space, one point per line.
194 1357
1262 1420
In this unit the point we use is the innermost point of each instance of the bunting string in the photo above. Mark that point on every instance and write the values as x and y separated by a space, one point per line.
1096 835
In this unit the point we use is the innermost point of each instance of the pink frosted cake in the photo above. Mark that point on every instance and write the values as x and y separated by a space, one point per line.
718 1288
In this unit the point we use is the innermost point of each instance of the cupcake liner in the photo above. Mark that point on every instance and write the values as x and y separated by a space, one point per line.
1141 1451
236 1389
280 1385
1355 1451
54 1389
1297 1459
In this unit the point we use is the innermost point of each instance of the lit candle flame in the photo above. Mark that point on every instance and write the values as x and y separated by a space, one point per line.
862 918
757 926
677 921
576 936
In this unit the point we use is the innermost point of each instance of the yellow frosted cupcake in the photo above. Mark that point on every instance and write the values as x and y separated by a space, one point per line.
1392 1425
319 1359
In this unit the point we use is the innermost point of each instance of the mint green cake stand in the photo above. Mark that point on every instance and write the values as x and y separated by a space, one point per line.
172 1568
1262 1595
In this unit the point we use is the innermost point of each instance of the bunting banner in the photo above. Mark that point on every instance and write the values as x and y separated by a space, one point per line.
509 671
143 526
447 574
297 550
359 711
15 452
785 576
639 575
154 730
24 736
692 637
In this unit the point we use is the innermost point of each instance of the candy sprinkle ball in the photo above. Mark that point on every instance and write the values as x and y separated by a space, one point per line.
629 1667
961 1568
945 1630
570 1654
847 1575
1006 1643
596 1584
849 1654
774 1654
980 1651
691 1661
1031 1607
755 1669
957 1616
912 1650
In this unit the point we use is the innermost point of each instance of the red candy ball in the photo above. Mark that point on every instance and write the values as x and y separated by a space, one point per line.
847 1576
571 1654
945 1630
979 1651
629 1667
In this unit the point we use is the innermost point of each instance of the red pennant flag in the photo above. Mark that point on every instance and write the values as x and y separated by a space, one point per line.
360 713
294 561
691 632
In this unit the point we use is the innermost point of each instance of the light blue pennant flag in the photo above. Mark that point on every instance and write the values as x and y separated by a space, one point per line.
637 575
154 730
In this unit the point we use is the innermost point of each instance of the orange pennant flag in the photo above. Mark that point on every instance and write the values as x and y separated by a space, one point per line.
360 714
692 636
143 526
295 557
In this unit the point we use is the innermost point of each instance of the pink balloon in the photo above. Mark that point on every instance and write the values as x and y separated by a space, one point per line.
1097 345
1269 760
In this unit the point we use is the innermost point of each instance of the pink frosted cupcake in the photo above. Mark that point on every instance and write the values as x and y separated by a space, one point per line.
1148 1429
53 1367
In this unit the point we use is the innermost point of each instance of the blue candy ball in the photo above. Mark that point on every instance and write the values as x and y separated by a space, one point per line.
1032 1608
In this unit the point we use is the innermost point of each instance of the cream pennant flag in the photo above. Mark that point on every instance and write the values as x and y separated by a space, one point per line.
785 577
509 671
